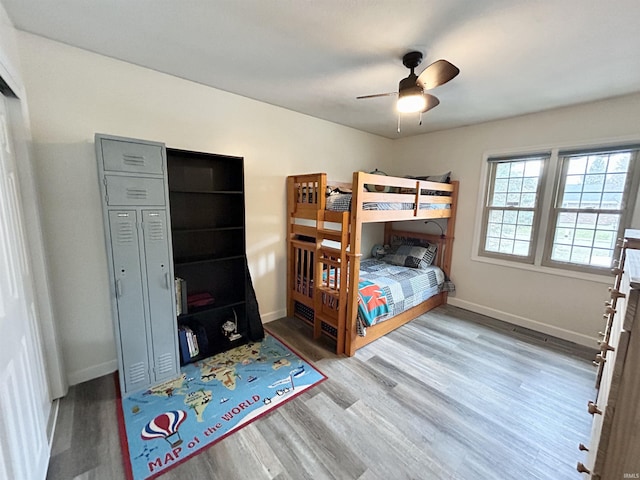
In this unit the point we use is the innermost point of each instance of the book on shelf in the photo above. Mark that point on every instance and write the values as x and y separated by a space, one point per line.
188 342
181 296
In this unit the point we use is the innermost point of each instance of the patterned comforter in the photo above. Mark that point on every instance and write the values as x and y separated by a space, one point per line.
387 290
342 203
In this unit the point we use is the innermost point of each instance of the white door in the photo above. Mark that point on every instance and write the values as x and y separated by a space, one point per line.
24 396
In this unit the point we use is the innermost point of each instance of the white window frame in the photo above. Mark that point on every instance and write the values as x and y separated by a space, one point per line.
493 163
546 202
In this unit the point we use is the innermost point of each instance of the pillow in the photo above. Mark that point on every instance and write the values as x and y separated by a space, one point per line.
444 178
413 256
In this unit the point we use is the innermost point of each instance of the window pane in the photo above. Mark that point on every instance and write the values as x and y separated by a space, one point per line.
612 201
528 200
499 200
509 231
587 220
525 218
615 182
521 248
517 169
523 232
495 216
604 239
492 244
564 236
571 200
510 216
506 246
597 164
593 183
583 237
577 165
501 185
619 162
513 199
590 200
515 185
567 219
580 255
574 183
601 258
561 253
502 170
532 168
608 221
530 184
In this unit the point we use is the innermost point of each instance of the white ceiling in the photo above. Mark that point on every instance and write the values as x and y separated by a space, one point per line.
316 56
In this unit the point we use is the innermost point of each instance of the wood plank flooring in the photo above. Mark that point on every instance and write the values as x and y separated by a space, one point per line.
451 395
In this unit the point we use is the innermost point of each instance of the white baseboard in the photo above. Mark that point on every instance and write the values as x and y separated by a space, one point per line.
557 332
271 316
111 366
92 372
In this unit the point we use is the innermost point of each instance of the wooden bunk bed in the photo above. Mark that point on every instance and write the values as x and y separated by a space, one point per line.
324 248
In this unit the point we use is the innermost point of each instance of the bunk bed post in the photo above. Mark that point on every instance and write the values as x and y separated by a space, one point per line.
291 205
354 264
451 225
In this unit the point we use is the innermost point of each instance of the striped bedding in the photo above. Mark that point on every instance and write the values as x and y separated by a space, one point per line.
388 290
342 203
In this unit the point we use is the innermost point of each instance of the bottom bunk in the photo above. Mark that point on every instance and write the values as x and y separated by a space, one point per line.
392 290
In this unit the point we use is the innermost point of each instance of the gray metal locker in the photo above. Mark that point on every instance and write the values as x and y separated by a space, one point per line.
133 183
160 284
131 325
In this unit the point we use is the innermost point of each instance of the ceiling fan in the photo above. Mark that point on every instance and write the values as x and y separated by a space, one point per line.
411 91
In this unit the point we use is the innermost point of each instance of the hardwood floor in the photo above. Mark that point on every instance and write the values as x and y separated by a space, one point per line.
451 395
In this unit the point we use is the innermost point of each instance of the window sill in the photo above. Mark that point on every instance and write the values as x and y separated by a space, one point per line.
590 277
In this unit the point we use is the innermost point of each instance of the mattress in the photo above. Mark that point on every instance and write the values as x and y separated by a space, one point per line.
341 202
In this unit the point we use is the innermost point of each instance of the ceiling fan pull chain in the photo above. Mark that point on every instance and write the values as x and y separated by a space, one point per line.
420 123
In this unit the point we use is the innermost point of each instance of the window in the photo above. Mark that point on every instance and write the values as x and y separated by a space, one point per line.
575 226
511 210
590 208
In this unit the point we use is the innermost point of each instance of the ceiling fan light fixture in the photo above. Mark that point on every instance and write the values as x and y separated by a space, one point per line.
411 100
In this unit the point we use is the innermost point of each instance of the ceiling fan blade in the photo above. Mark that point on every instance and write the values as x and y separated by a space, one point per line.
377 95
436 74
432 102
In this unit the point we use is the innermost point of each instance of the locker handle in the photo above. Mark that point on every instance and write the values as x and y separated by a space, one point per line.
167 279
119 291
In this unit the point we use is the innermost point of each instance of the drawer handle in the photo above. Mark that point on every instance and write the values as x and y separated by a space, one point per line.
616 293
119 291
593 409
605 347
582 469
582 448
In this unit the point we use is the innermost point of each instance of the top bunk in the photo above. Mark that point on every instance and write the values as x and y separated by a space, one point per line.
370 197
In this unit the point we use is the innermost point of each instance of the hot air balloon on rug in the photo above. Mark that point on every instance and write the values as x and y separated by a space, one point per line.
165 426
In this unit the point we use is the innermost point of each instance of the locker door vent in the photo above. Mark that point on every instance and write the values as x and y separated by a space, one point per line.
137 373
156 230
164 363
133 160
126 231
137 193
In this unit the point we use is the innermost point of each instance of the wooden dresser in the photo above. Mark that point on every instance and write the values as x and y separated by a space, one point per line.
614 449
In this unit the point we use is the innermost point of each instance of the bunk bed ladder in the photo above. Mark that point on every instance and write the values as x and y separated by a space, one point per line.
331 270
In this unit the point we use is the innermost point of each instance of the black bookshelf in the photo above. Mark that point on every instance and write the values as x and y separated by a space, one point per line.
206 198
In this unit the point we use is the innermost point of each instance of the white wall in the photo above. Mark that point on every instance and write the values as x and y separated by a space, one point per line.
75 93
566 307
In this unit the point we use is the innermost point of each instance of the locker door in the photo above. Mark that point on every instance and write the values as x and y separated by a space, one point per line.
129 300
160 284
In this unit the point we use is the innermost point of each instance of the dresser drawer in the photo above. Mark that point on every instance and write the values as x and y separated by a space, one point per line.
131 191
129 157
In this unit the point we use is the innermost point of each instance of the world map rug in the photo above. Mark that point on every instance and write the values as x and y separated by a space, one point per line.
212 398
